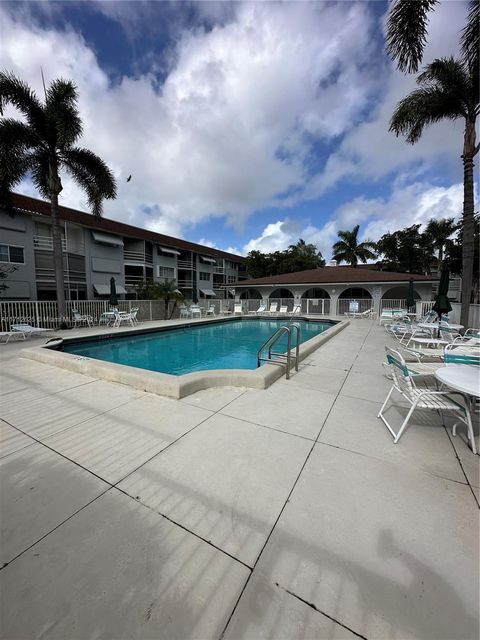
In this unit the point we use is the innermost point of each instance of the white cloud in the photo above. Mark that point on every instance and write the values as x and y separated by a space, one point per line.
415 204
370 152
232 127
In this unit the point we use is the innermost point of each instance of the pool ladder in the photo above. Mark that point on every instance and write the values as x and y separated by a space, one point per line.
283 359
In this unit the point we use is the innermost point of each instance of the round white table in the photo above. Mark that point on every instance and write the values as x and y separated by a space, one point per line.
461 377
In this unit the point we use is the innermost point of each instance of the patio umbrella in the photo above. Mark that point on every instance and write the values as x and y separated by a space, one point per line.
442 304
113 299
410 295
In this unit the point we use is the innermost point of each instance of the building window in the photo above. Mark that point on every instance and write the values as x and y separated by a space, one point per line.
9 253
231 279
166 272
204 275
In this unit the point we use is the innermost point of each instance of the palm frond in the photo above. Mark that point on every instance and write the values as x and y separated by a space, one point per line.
92 174
17 93
422 108
470 40
407 32
64 122
40 170
16 135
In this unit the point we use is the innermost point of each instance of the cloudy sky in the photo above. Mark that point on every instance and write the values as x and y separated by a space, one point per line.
244 125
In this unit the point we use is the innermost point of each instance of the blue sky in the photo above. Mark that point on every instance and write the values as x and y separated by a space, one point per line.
244 125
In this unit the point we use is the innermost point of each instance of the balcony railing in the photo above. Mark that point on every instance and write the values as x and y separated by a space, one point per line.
45 243
137 257
185 264
185 284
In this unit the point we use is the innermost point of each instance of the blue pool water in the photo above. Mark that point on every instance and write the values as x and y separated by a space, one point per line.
223 345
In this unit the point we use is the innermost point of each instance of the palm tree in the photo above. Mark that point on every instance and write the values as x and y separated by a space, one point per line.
168 291
448 89
41 146
438 232
348 249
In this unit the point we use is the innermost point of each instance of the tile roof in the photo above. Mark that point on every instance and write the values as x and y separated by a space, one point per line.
335 275
32 205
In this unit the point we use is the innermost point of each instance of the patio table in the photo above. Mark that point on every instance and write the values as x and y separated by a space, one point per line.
460 377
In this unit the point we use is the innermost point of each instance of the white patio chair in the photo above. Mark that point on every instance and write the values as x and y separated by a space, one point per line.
28 330
195 310
183 311
79 318
404 385
124 318
237 308
211 311
273 307
296 310
283 309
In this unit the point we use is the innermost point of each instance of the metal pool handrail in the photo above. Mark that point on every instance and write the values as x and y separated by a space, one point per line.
281 358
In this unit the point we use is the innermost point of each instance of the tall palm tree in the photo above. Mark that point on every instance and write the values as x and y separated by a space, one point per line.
168 291
438 231
348 249
41 146
448 89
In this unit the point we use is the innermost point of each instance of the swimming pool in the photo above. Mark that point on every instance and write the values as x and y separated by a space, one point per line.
228 344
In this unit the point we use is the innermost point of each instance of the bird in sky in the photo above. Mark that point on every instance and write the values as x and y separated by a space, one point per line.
129 178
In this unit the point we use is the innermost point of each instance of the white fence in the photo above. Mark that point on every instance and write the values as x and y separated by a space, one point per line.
45 313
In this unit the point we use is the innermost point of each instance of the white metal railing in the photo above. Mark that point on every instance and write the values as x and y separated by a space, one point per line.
45 243
353 304
184 264
315 306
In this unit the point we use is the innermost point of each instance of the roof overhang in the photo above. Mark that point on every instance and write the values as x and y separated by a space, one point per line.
207 259
208 292
107 238
174 252
104 289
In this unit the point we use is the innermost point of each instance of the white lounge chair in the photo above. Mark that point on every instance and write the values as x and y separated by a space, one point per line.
424 398
273 307
16 335
369 313
261 309
28 330
78 318
283 309
211 311
296 310
237 309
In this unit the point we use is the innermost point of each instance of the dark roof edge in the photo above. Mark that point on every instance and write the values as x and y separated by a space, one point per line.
40 207
250 283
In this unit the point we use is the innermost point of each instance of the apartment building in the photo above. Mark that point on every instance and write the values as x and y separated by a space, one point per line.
94 250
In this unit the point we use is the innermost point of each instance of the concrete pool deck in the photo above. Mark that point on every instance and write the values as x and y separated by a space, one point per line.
232 513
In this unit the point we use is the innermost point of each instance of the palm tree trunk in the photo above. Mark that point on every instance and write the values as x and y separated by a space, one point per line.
468 223
58 256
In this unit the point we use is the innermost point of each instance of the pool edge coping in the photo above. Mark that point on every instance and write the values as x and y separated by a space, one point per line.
166 384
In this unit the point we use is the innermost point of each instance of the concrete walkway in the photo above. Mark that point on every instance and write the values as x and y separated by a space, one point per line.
233 513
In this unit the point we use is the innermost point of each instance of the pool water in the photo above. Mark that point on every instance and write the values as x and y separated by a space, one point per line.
224 345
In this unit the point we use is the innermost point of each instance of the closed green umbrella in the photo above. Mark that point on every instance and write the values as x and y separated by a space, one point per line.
410 295
442 304
113 300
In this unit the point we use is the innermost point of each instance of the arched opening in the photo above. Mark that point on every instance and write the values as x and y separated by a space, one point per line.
315 293
315 301
281 293
399 293
354 293
250 294
354 299
396 298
